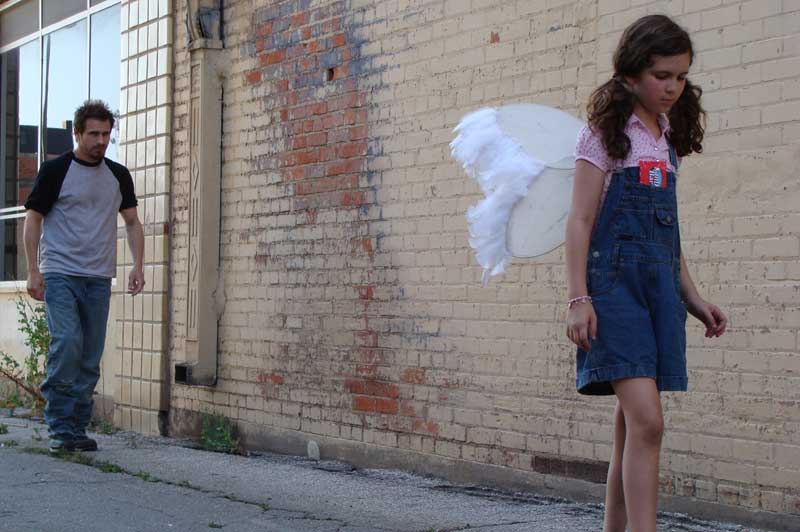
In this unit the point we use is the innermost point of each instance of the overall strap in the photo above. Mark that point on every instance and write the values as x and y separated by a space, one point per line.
673 157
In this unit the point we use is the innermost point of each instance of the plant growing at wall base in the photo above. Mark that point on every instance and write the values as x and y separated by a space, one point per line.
30 374
218 435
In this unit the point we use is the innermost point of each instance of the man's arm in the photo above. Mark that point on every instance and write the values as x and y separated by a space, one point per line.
32 232
133 227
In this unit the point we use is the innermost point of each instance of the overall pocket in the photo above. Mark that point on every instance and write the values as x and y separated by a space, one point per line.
601 272
664 230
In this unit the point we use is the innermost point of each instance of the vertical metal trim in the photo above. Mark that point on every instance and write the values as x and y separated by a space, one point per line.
42 118
88 53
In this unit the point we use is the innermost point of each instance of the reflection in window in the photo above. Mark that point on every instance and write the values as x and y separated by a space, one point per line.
19 119
64 83
55 10
104 72
18 21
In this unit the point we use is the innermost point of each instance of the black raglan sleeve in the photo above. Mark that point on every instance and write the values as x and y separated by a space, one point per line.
48 183
125 185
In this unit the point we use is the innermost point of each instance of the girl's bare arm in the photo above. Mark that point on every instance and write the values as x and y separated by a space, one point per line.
581 319
580 222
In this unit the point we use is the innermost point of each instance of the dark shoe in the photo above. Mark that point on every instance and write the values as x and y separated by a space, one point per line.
85 444
62 445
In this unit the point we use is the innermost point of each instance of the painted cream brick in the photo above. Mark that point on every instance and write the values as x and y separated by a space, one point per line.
506 338
758 9
724 16
762 51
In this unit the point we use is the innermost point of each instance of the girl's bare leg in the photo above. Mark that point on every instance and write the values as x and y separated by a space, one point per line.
616 519
644 427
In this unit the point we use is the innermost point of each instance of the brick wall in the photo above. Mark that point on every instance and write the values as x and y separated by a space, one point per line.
353 306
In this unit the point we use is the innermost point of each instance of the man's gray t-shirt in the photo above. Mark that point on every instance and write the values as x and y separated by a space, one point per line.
80 202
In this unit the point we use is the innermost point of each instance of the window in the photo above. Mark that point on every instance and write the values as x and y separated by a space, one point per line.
45 74
19 79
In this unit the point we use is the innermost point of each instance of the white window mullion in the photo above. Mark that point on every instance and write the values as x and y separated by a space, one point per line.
42 118
88 54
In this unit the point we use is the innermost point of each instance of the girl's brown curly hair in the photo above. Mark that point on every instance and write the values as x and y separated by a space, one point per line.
611 104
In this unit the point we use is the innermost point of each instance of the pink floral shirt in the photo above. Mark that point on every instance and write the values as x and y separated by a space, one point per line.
643 146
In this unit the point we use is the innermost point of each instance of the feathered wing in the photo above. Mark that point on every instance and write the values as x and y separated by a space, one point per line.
504 171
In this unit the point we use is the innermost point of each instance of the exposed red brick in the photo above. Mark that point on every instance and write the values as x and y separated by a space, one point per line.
317 46
307 157
271 58
425 427
327 185
307 64
386 406
352 199
341 71
358 133
366 338
318 139
298 50
362 245
300 19
264 29
298 143
371 356
413 376
331 121
382 389
355 386
494 38
344 167
365 291
363 404
355 149
407 409
276 379
254 76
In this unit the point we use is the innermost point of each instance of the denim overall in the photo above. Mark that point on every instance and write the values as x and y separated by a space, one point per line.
633 276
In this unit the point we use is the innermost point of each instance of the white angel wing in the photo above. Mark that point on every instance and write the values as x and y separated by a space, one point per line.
522 157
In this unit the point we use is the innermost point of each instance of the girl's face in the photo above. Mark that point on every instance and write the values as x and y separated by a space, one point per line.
660 85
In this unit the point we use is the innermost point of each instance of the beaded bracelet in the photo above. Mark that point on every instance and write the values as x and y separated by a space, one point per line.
579 299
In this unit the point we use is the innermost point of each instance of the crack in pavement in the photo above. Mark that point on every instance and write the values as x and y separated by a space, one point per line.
263 506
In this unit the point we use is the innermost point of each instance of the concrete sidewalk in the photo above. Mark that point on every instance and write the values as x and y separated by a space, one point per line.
142 484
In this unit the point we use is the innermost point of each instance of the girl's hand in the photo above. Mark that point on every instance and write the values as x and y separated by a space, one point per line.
711 316
582 325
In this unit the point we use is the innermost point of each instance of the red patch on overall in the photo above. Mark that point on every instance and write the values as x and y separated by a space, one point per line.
653 173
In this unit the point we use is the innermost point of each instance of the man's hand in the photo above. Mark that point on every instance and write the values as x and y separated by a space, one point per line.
135 281
36 285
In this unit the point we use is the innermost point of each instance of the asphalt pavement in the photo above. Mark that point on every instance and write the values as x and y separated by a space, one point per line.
142 484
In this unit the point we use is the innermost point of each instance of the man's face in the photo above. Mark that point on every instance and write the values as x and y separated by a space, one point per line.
93 142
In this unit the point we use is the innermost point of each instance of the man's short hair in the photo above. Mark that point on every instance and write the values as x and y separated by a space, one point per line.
96 109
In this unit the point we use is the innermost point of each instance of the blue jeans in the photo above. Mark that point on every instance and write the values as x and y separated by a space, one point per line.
77 313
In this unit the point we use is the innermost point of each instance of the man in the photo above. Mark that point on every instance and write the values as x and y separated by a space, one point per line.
70 244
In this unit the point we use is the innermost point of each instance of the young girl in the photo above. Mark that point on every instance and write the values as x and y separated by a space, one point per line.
629 288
